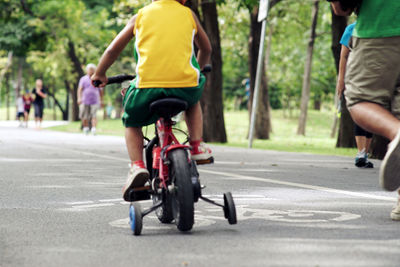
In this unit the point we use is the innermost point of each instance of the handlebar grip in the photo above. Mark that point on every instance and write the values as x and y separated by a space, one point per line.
96 83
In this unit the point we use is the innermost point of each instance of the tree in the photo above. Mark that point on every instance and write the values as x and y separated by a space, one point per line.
212 102
305 95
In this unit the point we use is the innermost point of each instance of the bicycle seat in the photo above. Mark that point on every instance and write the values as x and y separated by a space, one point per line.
168 107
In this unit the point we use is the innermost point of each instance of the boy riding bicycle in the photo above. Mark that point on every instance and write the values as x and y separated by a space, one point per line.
166 67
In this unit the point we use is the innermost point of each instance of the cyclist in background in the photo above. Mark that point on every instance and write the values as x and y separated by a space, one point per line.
166 67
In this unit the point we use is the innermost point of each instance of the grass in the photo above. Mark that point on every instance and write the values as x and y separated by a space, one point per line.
283 137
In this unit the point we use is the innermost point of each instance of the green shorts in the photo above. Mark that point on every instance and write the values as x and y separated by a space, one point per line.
137 101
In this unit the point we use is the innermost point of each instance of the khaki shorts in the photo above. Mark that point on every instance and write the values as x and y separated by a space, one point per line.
373 73
87 112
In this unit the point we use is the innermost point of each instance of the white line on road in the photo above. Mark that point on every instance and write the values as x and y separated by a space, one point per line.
307 186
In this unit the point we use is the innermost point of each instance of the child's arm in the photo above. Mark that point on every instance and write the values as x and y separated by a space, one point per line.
203 43
113 51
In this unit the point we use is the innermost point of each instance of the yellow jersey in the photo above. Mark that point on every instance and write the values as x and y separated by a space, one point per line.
164 49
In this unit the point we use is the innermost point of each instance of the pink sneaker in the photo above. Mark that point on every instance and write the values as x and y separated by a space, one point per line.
201 153
137 177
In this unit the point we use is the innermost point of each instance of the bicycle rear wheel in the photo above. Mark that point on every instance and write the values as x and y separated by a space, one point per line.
182 194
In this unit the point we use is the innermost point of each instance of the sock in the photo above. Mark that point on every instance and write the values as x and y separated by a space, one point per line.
139 163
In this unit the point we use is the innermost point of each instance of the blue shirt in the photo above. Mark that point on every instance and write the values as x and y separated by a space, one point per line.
348 32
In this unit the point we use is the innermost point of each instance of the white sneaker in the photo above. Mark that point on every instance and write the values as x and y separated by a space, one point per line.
395 214
86 130
93 130
137 178
389 175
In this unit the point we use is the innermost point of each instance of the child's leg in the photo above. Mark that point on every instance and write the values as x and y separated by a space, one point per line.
194 122
134 143
138 175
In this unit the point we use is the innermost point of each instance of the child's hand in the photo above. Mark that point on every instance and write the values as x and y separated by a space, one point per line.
102 78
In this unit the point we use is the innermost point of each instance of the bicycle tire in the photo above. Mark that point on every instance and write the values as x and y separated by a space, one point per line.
182 196
164 213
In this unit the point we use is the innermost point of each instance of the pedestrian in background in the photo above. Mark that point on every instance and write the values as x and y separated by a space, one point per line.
90 99
27 106
20 111
40 93
363 137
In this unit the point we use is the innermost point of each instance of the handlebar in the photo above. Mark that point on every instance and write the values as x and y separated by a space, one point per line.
124 77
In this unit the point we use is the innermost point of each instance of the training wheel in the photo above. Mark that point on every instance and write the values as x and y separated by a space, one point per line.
136 219
229 208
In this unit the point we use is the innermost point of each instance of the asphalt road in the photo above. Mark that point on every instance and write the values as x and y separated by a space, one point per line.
60 205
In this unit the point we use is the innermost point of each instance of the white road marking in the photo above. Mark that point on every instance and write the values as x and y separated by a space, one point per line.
111 200
235 176
84 207
80 203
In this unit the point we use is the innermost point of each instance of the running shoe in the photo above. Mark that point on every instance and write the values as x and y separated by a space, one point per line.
137 177
389 175
201 153
395 214
360 159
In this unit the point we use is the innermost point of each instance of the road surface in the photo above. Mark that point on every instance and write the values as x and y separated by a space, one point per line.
61 206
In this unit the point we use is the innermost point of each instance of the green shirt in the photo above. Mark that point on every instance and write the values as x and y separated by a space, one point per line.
378 18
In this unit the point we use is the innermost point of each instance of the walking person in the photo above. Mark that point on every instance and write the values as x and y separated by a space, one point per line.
28 100
90 99
363 137
40 93
20 111
373 80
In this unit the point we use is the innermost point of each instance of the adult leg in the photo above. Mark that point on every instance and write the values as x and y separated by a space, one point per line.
374 118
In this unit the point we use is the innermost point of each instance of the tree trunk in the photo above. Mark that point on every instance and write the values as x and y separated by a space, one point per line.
8 96
63 111
79 71
212 102
3 72
263 119
305 93
19 77
378 147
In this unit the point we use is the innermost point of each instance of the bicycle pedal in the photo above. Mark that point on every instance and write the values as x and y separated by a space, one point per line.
205 161
140 193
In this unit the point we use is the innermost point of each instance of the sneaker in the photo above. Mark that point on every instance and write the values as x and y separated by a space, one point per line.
395 214
93 130
389 175
86 130
137 177
360 159
368 164
201 153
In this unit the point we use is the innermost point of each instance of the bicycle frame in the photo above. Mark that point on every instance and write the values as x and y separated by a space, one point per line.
168 142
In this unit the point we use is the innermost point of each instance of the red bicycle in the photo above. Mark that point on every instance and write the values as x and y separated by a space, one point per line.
174 185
